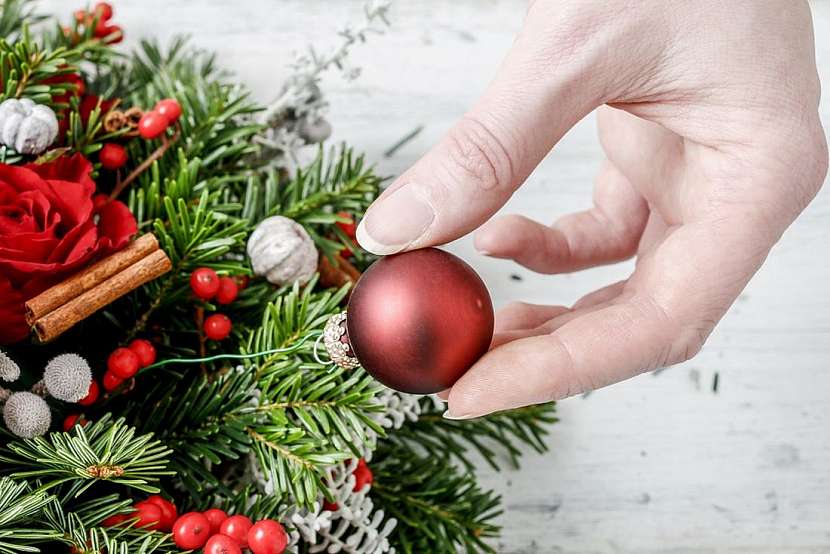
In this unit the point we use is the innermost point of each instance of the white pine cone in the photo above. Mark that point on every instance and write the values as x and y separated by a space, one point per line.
67 377
281 250
27 127
9 370
27 415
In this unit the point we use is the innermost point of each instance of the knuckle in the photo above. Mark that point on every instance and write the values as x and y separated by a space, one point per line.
477 157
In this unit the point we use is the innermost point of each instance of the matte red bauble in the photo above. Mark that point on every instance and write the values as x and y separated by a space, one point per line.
418 320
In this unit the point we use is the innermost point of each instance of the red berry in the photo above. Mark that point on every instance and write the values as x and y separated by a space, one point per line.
349 227
363 475
124 363
91 395
114 33
237 528
242 281
169 108
267 537
222 544
191 531
81 16
70 421
145 351
228 290
112 521
103 10
218 327
152 125
102 28
204 282
330 506
168 511
113 156
215 516
149 516
99 201
111 381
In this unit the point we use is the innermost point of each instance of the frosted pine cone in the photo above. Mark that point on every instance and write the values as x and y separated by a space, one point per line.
27 127
9 370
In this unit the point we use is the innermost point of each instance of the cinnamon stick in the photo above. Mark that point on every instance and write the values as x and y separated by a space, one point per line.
337 275
95 274
55 323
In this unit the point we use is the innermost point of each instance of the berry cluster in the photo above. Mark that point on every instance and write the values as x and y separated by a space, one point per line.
124 363
207 285
154 514
219 533
155 122
100 17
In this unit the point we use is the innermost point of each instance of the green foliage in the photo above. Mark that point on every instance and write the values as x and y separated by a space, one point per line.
438 507
21 511
103 451
13 15
501 433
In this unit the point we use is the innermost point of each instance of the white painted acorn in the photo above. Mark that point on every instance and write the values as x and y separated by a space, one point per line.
282 251
27 127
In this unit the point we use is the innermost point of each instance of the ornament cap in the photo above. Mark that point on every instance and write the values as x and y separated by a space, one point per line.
336 340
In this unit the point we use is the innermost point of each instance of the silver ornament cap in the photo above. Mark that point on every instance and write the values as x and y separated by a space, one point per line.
336 341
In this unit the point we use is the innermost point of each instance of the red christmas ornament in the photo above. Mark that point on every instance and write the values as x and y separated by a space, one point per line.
169 513
152 124
237 528
222 544
111 381
191 531
169 108
113 156
418 320
204 282
91 395
123 363
145 351
228 290
216 517
149 516
362 475
267 537
218 327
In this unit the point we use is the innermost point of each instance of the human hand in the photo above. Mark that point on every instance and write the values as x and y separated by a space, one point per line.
714 146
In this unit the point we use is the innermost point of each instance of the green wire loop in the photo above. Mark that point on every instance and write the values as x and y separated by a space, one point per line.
287 350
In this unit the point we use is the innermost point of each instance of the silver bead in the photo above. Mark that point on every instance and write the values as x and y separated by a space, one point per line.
9 370
27 415
282 251
67 377
340 351
27 127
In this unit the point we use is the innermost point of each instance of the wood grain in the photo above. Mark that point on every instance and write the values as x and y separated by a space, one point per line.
655 465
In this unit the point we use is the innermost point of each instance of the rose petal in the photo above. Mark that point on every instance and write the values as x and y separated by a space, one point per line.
117 223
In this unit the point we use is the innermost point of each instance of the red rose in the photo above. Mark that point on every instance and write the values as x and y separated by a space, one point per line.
48 231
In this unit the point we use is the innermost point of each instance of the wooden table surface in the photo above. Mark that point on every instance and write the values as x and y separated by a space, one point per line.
659 464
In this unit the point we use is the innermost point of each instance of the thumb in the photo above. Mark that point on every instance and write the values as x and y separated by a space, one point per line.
485 157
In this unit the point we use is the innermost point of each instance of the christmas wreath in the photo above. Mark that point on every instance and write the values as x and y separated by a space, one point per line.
167 267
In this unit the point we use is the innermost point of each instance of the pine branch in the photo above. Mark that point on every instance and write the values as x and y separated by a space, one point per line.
438 507
493 436
13 15
103 451
21 511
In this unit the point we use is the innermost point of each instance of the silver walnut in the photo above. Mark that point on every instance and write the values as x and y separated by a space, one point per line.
281 250
27 127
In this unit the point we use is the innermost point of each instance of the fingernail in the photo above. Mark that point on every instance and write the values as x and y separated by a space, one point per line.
454 417
395 222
